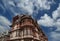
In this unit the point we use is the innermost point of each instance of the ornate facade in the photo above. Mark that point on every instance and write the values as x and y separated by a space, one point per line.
25 28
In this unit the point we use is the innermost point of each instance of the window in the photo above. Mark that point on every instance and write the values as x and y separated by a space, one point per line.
27 31
24 31
27 40
14 34
17 33
21 33
11 35
30 31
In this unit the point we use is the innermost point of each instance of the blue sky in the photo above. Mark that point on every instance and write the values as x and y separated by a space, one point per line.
46 12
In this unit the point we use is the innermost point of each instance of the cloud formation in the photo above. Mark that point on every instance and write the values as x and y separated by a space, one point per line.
46 21
56 13
52 22
4 24
27 6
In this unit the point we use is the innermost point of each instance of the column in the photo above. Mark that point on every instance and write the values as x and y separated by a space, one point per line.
28 31
22 33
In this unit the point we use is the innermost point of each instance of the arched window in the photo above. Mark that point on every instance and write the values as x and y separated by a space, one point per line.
27 31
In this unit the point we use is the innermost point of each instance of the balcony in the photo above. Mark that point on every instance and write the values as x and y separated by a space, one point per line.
16 38
26 36
27 24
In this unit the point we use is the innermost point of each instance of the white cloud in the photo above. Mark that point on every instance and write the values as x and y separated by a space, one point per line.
11 3
4 20
44 4
4 23
57 24
55 36
46 21
52 22
56 13
1 29
27 6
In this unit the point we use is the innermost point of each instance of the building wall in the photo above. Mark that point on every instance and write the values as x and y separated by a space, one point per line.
27 29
